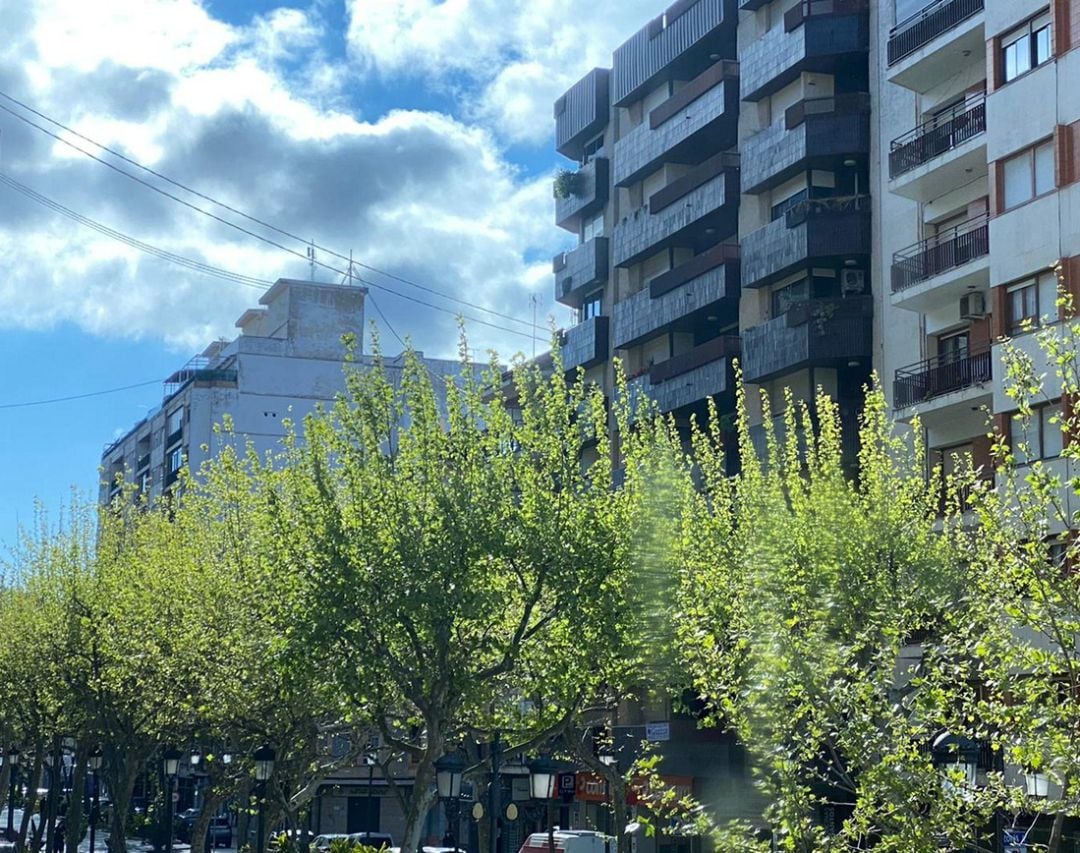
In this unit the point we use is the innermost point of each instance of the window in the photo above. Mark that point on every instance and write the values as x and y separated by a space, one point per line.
953 348
1028 174
1026 47
785 297
176 459
175 421
1039 438
591 149
591 306
593 227
1028 300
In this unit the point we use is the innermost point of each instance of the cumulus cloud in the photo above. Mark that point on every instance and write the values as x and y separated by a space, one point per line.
256 116
519 54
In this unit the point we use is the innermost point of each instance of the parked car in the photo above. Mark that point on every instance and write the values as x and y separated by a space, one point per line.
378 840
568 841
220 832
322 842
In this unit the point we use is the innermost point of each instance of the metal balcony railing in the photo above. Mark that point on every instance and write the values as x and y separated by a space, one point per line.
917 383
932 138
927 24
952 248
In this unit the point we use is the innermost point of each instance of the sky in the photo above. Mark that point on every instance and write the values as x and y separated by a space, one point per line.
414 134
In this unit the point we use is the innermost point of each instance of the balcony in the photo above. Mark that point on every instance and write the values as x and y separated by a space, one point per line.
817 35
677 296
818 133
691 377
577 271
818 332
668 42
590 193
586 344
701 118
582 112
829 228
936 271
936 377
936 43
703 202
940 155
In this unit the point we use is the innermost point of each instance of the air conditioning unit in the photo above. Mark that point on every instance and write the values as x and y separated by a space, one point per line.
973 306
852 281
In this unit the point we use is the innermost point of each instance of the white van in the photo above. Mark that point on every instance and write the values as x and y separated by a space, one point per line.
570 841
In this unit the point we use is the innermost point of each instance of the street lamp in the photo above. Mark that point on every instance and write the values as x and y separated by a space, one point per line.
264 766
611 762
170 764
543 785
959 752
13 764
448 772
1037 783
94 763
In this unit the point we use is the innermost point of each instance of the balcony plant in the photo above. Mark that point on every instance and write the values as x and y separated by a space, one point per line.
567 183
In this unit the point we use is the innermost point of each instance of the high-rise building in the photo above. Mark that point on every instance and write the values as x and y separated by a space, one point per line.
978 128
288 358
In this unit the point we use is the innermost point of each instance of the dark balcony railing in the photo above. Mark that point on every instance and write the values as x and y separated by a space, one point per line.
794 17
941 375
852 103
952 248
932 138
144 462
174 437
926 25
725 346
812 208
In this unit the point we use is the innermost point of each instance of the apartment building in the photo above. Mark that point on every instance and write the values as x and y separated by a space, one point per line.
721 201
288 358
978 205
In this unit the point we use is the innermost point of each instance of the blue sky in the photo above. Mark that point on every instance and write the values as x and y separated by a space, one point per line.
414 133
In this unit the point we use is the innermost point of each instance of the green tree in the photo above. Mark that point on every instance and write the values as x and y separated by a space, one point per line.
806 593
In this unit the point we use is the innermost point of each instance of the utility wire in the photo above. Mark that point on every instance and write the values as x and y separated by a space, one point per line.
225 206
393 332
197 266
79 396
260 237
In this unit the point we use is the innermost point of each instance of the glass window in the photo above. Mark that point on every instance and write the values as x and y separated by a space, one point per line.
176 460
1026 47
1050 417
1023 306
591 307
175 422
1039 438
593 227
785 297
1028 174
953 348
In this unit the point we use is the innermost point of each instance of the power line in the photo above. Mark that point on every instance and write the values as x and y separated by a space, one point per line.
79 396
180 260
260 237
223 205
375 305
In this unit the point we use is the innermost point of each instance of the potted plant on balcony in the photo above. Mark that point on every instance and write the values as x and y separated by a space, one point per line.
567 183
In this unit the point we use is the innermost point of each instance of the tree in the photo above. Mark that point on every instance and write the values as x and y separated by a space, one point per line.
806 591
448 556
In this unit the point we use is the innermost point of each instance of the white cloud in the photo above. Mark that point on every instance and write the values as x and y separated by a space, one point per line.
520 54
236 112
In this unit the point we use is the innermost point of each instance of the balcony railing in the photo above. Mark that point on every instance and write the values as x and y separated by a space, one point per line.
948 250
926 25
932 138
943 374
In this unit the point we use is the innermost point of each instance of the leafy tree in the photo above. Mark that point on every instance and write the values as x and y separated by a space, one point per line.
446 553
805 594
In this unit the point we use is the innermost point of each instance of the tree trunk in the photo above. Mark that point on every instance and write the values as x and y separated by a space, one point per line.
1053 845
243 820
618 806
212 800
33 782
419 802
122 773
74 819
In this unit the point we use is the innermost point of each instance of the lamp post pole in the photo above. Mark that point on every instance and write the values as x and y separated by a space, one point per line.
494 793
170 764
13 764
94 763
611 762
264 766
448 773
543 784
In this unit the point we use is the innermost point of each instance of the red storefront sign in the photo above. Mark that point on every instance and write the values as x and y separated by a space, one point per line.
591 788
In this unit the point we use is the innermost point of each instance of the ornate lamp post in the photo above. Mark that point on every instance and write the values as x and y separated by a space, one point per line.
448 772
962 753
170 765
543 785
13 764
93 762
264 767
